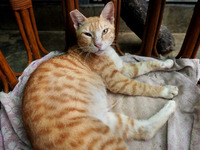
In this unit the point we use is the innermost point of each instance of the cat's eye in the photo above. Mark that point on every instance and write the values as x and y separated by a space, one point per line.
105 31
88 34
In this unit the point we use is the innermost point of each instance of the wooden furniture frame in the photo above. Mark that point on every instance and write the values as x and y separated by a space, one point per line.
24 14
70 35
192 39
27 25
152 27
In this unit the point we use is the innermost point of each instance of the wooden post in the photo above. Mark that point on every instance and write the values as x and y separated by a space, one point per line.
4 81
117 4
152 28
70 34
30 34
7 71
23 11
192 39
27 25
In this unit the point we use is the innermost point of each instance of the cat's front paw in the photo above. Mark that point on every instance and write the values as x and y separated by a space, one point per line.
167 64
169 92
170 105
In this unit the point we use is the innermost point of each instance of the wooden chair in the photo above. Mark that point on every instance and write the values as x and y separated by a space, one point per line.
23 11
26 21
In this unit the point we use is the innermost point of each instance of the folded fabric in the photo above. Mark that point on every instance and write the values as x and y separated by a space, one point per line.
181 132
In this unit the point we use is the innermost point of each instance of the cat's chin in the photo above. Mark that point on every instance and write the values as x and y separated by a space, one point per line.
99 52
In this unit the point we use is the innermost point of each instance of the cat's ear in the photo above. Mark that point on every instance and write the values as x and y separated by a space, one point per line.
77 18
108 12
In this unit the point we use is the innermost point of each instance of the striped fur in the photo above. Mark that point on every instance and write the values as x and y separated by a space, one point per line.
65 104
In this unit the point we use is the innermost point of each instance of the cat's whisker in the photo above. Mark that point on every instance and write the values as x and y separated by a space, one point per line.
113 44
81 53
82 48
85 47
87 55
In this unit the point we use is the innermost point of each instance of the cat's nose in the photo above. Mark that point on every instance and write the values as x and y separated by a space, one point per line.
98 45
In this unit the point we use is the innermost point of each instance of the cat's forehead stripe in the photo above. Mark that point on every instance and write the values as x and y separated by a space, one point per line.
94 23
94 26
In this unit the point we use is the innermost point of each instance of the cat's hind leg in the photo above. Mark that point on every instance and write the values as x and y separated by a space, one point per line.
128 128
136 69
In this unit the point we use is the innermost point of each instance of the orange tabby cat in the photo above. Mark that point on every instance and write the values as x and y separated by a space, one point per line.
65 103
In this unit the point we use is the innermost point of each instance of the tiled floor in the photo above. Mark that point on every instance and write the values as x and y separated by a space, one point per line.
14 51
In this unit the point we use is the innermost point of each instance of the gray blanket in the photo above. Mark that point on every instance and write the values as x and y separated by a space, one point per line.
182 132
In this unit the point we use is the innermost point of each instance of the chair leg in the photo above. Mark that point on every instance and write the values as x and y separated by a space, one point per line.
26 21
4 81
30 33
192 39
27 25
70 35
32 16
152 28
117 4
10 75
196 48
23 34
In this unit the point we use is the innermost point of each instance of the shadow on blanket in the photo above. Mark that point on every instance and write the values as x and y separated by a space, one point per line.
181 132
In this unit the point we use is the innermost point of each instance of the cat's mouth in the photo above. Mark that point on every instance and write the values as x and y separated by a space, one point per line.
99 52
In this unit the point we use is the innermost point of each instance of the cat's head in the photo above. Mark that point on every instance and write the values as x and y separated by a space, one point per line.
95 34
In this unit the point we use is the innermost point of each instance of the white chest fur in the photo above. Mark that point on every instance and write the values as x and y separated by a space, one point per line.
115 57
